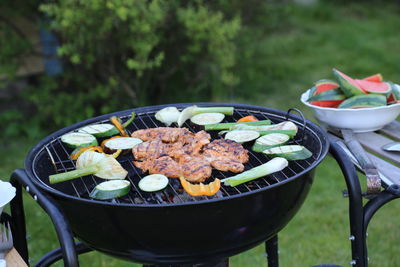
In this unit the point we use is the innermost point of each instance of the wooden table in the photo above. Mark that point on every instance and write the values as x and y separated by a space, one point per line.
372 142
354 153
13 259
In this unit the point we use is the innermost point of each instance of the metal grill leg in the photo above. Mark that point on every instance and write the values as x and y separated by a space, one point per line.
271 248
59 220
356 214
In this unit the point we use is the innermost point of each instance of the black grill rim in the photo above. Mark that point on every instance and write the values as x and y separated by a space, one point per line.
310 126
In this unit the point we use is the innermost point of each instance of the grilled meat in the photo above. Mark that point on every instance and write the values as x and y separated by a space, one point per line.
163 165
189 145
150 149
178 152
165 134
225 149
227 165
195 169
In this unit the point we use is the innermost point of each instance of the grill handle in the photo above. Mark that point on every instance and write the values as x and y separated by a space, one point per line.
371 172
19 179
302 118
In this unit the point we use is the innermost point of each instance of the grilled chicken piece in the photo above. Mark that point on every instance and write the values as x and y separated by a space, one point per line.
195 169
227 165
165 134
163 165
177 152
225 149
189 145
150 149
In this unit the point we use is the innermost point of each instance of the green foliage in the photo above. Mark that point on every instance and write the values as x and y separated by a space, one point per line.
145 46
13 43
121 54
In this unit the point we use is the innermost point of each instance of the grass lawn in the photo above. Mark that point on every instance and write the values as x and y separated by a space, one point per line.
275 67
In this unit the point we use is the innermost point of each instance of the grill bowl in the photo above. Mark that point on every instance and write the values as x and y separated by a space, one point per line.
188 230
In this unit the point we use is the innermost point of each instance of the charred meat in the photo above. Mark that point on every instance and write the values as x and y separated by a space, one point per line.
224 149
177 152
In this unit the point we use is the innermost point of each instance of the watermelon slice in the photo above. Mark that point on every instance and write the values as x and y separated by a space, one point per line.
329 98
391 99
374 78
374 87
348 85
364 101
327 103
325 85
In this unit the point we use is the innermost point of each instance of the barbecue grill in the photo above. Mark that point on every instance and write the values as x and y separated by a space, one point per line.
169 227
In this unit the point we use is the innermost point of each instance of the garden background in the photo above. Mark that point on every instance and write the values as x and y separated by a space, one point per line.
67 60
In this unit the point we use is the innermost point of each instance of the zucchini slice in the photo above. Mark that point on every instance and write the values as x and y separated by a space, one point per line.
100 130
230 125
203 119
75 139
289 152
285 127
153 182
269 141
111 146
111 189
242 136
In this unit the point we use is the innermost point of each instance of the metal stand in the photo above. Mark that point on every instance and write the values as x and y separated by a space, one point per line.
271 249
360 215
68 248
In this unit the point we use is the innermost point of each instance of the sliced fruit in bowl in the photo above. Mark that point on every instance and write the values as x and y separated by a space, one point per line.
359 104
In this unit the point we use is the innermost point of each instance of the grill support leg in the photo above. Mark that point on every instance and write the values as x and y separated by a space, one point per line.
390 193
19 178
271 248
18 219
356 213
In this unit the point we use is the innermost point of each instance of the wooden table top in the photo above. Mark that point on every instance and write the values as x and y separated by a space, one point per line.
13 259
386 162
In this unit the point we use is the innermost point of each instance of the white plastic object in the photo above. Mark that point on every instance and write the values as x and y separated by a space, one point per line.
7 193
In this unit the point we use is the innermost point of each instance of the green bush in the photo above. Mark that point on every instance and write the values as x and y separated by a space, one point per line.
122 54
13 43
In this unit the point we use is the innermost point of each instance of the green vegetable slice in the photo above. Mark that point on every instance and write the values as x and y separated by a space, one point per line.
111 189
189 112
76 139
153 182
123 143
229 125
99 130
242 136
90 162
285 127
274 165
269 141
289 152
207 118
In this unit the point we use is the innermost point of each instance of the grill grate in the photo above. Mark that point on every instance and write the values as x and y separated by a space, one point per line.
58 156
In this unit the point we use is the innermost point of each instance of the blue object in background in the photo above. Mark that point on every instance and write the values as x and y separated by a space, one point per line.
52 62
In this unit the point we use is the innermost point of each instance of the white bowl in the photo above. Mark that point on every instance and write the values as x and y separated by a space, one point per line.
358 120
7 193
